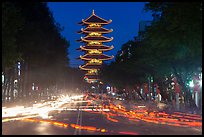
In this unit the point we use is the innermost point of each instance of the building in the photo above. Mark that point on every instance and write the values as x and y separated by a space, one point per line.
143 25
93 46
142 28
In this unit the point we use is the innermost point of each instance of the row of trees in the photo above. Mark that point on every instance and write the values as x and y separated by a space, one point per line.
172 46
33 50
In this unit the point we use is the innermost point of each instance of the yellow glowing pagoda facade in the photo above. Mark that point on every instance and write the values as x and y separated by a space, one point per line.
94 46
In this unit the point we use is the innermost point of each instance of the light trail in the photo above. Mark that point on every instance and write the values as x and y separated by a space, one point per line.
153 117
111 111
128 133
66 125
141 113
41 109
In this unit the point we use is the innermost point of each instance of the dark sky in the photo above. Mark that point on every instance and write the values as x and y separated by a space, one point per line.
125 18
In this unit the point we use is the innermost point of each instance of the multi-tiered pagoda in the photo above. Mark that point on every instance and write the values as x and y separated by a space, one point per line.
93 46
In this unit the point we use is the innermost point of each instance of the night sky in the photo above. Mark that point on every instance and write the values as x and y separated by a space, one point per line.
125 18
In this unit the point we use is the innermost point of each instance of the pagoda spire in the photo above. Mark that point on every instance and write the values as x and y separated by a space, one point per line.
93 12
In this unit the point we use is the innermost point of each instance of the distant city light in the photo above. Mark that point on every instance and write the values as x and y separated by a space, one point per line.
92 87
200 82
191 84
19 68
19 65
108 88
2 78
33 87
15 81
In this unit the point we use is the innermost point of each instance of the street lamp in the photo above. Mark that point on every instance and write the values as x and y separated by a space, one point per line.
2 77
191 84
200 83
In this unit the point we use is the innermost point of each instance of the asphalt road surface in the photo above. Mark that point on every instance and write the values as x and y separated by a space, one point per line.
77 121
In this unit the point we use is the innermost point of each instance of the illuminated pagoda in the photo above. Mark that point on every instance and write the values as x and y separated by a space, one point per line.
93 46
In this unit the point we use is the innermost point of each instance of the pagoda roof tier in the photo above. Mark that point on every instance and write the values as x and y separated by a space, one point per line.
94 19
90 66
96 56
92 76
101 48
92 56
97 29
95 38
91 73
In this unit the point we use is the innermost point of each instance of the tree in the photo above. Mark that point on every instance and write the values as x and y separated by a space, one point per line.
43 50
12 23
129 68
176 38
171 45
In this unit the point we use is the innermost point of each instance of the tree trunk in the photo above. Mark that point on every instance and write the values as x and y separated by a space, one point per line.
4 85
28 79
138 92
4 88
22 81
12 83
19 83
152 86
25 81
8 85
182 84
162 90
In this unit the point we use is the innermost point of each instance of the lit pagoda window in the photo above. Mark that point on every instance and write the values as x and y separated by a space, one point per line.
94 43
92 71
94 52
95 61
94 34
94 25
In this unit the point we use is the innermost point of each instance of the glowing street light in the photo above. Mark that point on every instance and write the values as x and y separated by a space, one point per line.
191 84
200 83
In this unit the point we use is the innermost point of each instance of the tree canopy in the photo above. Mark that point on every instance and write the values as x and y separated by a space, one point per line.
171 45
32 37
10 14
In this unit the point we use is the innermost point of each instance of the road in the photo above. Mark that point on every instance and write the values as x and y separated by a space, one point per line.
78 119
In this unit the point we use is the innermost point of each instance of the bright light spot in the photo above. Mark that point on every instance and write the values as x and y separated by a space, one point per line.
2 78
191 84
200 82
14 111
43 115
15 81
33 87
92 87
103 130
141 106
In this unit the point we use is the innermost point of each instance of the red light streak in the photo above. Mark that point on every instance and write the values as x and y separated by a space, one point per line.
128 133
